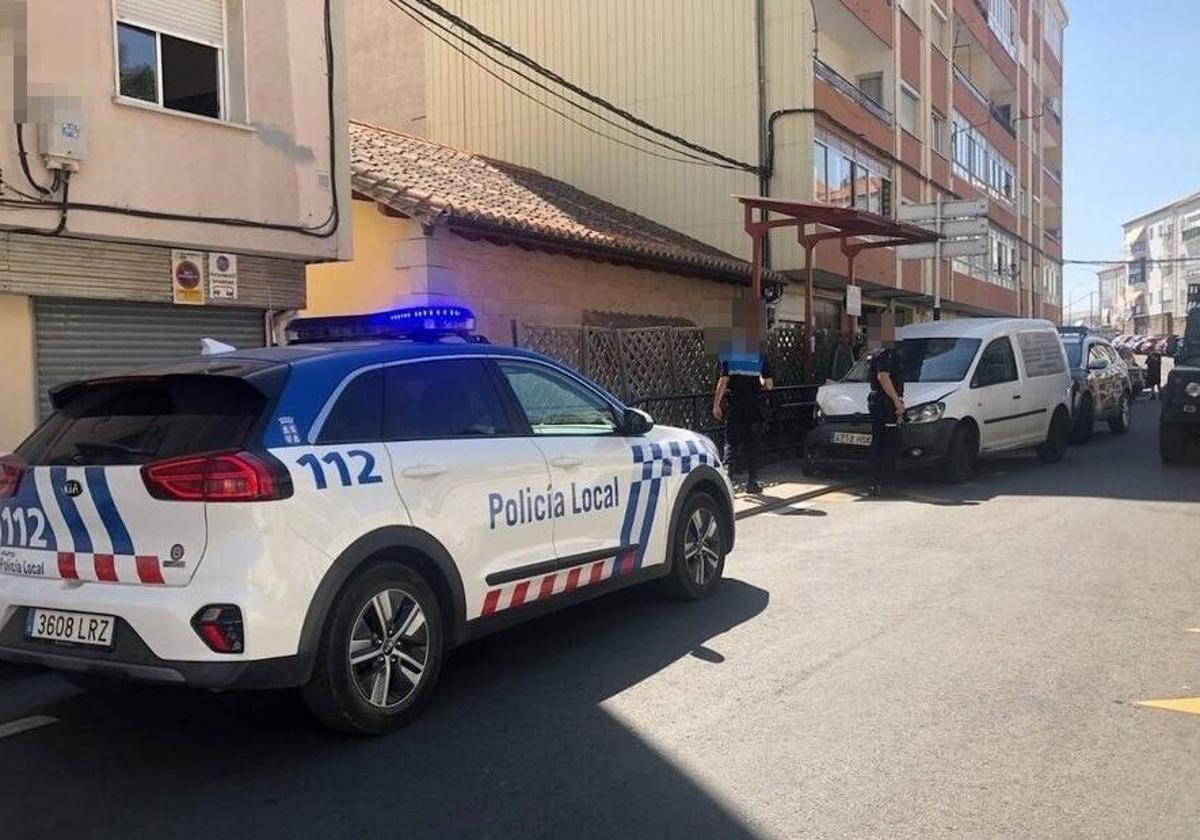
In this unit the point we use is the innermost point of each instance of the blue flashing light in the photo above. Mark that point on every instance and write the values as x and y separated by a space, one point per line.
414 323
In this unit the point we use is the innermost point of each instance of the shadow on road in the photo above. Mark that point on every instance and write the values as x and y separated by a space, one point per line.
515 744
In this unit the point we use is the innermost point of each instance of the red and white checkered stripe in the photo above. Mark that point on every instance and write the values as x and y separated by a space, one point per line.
110 568
541 587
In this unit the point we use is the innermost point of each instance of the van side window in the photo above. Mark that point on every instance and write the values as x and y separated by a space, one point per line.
996 365
1042 353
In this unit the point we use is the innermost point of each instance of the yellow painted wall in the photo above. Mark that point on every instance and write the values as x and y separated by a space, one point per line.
396 265
18 405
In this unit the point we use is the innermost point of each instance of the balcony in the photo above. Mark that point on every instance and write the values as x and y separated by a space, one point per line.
1002 114
847 88
973 88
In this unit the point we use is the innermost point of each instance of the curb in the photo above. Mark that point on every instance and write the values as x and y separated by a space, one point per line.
776 504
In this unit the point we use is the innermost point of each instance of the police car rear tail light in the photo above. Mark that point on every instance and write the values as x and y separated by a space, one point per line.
220 627
220 477
11 470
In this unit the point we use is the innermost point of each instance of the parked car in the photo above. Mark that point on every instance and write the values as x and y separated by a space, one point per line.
1137 372
1101 389
1179 423
973 387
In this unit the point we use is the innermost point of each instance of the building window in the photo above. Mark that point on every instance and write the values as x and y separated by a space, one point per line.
938 28
846 177
820 165
909 108
1003 21
871 85
1052 27
172 53
999 265
937 133
912 8
977 160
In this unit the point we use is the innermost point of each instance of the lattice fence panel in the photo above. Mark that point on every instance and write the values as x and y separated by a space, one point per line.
696 370
562 343
649 362
785 349
602 359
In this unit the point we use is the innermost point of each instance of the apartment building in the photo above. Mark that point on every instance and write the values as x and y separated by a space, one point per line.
864 103
1158 289
184 160
1112 296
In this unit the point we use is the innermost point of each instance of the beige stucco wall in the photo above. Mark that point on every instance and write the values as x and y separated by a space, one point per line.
274 167
18 404
386 66
396 265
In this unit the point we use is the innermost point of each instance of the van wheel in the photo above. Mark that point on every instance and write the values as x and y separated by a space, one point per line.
961 455
1084 422
1057 439
1124 419
699 558
380 654
1172 442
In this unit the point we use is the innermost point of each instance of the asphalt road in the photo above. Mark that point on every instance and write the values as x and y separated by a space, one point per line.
965 662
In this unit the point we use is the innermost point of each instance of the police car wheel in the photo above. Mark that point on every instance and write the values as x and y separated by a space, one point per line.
700 542
380 654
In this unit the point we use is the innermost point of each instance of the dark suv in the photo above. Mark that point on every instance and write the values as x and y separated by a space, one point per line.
1101 385
1180 420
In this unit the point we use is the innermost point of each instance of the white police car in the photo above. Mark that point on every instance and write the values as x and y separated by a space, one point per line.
337 517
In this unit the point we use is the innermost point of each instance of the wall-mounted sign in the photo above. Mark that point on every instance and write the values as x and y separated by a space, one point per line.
222 277
854 301
187 277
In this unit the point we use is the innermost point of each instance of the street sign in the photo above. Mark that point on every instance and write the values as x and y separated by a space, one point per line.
977 247
960 227
854 301
950 210
187 277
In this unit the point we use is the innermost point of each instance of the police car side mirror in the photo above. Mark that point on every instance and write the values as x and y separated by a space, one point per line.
637 422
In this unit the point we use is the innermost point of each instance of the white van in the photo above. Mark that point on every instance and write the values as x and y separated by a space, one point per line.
972 386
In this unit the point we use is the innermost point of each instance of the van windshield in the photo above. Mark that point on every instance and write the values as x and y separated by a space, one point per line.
937 359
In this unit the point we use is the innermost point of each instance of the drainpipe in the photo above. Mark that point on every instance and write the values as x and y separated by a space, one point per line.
760 56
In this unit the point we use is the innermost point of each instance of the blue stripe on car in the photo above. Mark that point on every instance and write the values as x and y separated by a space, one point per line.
97 483
79 532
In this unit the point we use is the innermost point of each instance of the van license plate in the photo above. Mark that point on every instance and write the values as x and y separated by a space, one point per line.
852 438
72 627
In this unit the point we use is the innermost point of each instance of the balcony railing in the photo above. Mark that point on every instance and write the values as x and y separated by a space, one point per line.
1055 174
984 99
848 88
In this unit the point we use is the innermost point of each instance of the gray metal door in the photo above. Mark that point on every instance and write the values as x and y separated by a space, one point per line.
80 339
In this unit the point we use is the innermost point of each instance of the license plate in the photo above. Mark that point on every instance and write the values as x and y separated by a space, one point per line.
71 627
852 438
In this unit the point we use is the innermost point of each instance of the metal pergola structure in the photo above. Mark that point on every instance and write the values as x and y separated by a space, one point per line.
858 231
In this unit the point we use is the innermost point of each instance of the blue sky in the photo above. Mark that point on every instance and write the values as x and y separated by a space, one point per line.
1131 125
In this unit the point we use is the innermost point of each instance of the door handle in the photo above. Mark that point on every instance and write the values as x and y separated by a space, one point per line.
566 462
1016 396
423 470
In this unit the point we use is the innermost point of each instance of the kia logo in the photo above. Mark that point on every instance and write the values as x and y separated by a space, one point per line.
73 488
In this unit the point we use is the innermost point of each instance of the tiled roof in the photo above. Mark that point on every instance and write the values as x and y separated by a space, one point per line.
442 185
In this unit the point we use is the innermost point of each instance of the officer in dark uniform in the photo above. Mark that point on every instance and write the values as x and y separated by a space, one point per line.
886 404
741 401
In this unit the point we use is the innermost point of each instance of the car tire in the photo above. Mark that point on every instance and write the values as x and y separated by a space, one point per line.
380 654
1058 438
1085 420
700 541
1120 424
961 455
1172 442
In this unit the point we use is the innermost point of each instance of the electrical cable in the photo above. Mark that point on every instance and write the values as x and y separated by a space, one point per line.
546 72
23 156
63 178
687 158
326 229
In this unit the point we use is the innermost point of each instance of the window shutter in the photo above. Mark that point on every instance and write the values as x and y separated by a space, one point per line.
199 20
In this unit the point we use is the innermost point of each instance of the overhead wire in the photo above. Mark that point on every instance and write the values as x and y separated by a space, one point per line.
688 158
540 69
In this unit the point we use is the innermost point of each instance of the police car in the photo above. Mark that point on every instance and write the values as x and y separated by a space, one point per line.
338 515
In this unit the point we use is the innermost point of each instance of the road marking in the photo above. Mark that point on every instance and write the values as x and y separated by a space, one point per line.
1189 705
1194 629
16 727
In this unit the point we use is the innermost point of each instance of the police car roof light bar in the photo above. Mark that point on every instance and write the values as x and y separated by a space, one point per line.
413 323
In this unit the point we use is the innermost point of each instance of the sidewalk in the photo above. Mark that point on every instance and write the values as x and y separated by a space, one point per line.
783 484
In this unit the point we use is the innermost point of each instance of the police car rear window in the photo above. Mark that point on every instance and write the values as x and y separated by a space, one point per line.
135 421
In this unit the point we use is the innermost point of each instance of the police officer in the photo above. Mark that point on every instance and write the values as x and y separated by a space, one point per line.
886 404
745 415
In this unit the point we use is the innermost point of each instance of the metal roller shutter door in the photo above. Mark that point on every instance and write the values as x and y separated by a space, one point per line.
79 339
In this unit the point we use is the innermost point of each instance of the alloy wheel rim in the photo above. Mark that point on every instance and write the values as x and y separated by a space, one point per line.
389 648
702 546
